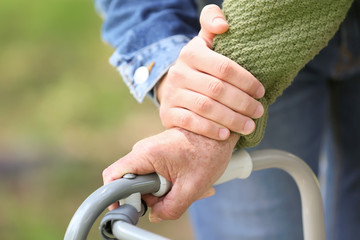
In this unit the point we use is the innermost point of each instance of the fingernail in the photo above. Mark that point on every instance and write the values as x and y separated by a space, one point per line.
260 92
224 133
259 111
219 21
249 126
155 219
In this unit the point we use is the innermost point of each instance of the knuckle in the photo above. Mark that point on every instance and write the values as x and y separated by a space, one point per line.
163 113
106 174
142 145
187 53
224 68
184 120
136 146
202 104
147 148
174 73
216 88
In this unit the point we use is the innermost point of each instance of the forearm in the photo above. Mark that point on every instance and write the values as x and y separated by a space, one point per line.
274 40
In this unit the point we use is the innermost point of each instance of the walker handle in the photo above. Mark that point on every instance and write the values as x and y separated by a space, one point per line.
99 200
240 166
83 219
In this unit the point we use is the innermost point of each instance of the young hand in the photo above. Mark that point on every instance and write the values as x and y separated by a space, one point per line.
207 93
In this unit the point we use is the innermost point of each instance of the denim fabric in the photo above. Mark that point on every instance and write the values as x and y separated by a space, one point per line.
320 107
163 53
146 31
266 206
317 117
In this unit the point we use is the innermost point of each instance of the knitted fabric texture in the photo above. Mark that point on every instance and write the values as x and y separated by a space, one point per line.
274 39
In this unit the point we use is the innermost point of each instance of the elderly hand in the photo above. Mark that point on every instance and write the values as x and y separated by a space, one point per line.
190 161
207 93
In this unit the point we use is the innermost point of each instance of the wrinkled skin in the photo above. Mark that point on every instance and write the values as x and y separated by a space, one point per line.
190 161
203 93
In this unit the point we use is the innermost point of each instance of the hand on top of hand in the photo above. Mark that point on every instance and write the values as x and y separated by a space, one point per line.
208 93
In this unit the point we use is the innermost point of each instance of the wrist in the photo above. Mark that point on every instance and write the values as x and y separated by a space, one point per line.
229 143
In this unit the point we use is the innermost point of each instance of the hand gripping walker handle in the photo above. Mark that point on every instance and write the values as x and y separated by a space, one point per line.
240 166
99 200
120 223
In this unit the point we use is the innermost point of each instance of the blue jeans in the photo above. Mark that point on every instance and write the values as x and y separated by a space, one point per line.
316 116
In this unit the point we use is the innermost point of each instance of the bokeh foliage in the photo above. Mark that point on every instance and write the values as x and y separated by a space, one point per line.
56 84
64 114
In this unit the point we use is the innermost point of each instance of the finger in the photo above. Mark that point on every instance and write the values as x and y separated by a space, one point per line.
110 174
212 22
222 68
150 199
211 109
154 214
183 118
210 192
126 165
224 93
113 206
174 204
116 170
113 172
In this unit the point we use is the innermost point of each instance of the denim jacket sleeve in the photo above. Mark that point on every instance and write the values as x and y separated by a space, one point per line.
145 32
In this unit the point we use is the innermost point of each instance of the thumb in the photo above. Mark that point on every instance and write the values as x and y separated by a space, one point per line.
175 203
212 23
210 192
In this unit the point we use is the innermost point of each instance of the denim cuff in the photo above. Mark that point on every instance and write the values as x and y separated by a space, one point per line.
162 54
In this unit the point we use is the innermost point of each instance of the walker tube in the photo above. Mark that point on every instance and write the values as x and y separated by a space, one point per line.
312 209
240 166
126 231
99 200
311 201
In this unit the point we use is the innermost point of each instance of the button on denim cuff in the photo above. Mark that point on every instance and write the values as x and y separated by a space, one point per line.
163 53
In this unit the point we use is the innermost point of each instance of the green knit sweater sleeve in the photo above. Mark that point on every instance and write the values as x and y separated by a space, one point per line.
274 39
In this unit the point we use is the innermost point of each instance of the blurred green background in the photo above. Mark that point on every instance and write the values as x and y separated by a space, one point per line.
65 115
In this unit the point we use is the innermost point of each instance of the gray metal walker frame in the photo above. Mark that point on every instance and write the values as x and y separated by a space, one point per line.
121 223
